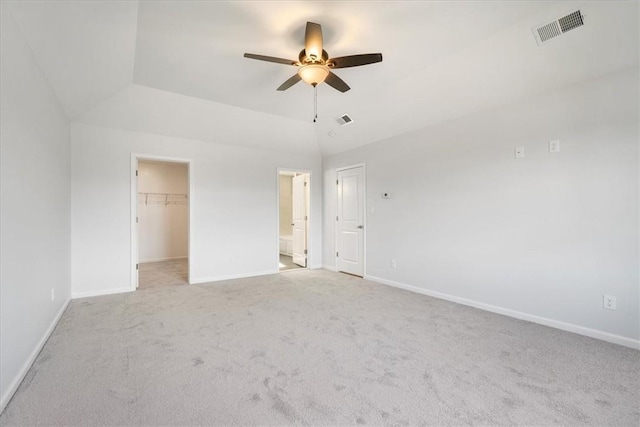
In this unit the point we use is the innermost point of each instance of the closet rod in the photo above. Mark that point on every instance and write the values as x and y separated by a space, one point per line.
166 196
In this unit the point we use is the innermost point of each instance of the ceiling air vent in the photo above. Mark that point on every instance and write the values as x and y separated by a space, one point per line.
344 120
546 32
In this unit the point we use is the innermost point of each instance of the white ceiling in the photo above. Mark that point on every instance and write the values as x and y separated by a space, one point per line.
86 49
176 67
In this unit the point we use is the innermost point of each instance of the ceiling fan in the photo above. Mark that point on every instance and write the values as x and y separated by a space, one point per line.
314 64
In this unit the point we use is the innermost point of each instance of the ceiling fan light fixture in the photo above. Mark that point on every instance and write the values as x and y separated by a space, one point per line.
314 63
313 74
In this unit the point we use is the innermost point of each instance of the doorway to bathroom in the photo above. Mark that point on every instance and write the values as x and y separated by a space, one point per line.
293 221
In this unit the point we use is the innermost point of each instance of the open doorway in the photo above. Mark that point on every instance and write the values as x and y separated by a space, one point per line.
293 202
162 223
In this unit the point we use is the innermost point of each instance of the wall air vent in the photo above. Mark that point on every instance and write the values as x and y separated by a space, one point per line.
546 32
549 31
571 21
344 120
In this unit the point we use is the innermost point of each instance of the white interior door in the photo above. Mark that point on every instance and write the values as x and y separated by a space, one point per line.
300 220
350 221
137 229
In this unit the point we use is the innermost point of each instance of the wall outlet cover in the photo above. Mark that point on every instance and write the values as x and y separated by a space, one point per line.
609 302
519 152
554 146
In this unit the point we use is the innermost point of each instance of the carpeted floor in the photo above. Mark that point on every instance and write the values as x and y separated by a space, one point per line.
316 348
163 273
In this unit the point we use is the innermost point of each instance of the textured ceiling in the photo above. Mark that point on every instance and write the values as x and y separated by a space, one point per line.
176 68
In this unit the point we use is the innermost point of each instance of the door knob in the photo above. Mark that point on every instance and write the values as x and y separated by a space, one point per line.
361 227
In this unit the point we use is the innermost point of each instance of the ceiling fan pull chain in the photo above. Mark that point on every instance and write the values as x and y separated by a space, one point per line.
315 103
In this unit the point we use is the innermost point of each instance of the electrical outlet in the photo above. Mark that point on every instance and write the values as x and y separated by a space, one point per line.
393 263
609 302
519 152
53 294
554 146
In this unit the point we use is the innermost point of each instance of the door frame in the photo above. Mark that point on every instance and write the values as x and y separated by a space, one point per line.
308 196
135 157
364 216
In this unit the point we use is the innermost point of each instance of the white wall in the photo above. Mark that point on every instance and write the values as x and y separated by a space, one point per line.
35 208
286 205
233 200
546 235
162 228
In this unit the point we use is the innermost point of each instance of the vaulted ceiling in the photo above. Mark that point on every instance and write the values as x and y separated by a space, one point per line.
177 68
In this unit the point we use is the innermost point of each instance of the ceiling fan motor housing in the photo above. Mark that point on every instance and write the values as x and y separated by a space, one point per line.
304 59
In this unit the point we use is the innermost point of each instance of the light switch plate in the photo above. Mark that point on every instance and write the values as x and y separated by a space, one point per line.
519 152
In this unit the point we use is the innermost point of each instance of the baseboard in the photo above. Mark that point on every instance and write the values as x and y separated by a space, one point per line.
13 387
316 267
86 294
231 276
332 268
162 259
569 327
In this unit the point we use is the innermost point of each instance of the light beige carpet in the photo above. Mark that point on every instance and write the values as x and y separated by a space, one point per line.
163 273
316 348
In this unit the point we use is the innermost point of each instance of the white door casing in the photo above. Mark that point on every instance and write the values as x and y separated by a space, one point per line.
350 221
300 220
137 230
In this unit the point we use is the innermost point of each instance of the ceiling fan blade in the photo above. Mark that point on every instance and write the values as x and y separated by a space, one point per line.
290 82
336 82
313 40
355 60
270 59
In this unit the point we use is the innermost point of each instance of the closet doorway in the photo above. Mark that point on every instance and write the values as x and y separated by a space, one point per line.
162 223
293 222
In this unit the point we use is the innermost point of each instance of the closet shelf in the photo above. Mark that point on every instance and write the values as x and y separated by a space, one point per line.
162 198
